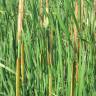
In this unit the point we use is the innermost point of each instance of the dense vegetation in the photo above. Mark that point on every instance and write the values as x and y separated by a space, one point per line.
59 48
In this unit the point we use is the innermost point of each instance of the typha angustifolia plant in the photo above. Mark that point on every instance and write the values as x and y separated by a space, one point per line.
49 60
20 49
41 21
76 39
60 56
44 23
49 49
74 75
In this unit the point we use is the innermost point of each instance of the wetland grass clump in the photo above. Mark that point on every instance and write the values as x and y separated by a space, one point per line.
47 48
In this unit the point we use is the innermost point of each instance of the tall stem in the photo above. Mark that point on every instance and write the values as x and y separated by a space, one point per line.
75 64
22 61
50 61
20 19
49 54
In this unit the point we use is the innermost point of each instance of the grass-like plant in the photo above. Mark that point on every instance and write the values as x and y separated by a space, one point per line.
20 57
53 43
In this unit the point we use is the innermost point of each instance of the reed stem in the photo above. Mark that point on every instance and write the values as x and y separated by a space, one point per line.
22 62
20 19
75 64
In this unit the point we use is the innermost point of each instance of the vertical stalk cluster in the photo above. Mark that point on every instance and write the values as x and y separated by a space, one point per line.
20 59
71 55
44 22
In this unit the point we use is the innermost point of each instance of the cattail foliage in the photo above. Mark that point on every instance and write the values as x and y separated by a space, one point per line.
56 39
18 77
50 76
75 64
72 81
76 38
49 49
50 62
20 18
18 65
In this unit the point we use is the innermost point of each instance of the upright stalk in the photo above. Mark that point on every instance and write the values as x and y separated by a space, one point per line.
49 53
74 76
20 19
41 23
50 61
76 39
22 61
18 77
